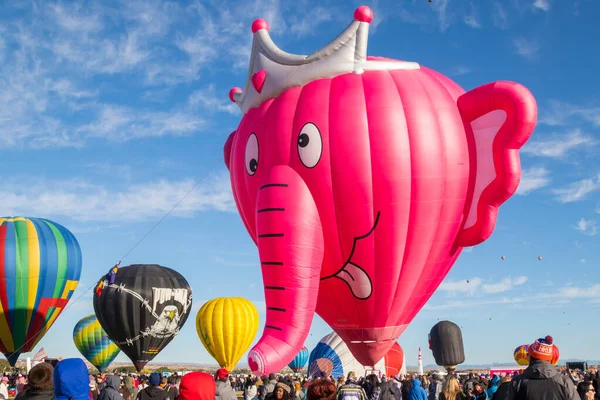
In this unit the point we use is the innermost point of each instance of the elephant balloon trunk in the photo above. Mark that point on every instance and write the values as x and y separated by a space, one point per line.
290 245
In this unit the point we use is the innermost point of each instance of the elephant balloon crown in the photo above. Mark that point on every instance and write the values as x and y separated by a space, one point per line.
273 70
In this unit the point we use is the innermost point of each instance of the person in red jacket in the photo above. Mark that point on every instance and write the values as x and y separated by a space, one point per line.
197 386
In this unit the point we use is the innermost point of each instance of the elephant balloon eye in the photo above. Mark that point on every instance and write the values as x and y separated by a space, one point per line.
251 156
310 145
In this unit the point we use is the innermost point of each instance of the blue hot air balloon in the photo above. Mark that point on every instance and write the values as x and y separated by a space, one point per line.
332 357
300 361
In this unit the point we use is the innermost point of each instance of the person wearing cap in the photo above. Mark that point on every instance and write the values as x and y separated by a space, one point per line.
541 380
40 385
351 390
153 391
4 387
224 391
282 392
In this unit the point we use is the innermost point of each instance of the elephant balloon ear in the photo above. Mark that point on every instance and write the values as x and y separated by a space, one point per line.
227 149
499 118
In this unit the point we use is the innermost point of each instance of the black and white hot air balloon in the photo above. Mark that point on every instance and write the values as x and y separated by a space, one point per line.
142 308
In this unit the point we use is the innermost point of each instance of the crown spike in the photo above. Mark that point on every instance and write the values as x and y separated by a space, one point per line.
259 24
363 14
233 92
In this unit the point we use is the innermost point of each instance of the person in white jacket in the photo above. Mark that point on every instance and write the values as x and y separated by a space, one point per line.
4 388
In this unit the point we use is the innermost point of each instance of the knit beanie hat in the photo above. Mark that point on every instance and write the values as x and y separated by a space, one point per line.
542 349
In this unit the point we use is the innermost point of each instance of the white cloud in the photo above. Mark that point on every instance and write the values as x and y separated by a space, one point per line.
121 124
476 285
472 19
500 16
208 101
82 201
543 5
587 227
504 285
444 16
527 48
578 292
462 286
560 296
560 113
462 70
309 22
558 147
533 179
577 190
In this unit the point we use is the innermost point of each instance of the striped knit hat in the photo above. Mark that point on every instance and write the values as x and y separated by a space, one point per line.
542 348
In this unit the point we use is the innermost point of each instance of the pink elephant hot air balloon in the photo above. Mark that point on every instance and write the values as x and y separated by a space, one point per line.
361 179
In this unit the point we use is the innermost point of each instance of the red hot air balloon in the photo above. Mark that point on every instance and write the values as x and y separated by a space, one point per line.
394 360
361 179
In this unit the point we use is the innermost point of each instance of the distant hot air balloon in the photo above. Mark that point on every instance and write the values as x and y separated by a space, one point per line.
539 258
503 258
142 308
300 360
332 357
555 355
521 356
93 343
40 265
227 327
394 360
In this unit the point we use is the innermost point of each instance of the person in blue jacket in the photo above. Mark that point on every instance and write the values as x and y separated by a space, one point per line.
493 387
71 380
417 392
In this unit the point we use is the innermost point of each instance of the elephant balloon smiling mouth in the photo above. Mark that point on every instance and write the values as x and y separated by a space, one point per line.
357 279
361 179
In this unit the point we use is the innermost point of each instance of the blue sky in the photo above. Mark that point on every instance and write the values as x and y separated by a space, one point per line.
110 112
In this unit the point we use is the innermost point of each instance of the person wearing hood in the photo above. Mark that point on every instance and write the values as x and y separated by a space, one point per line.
251 391
71 380
270 386
493 388
541 380
197 386
129 391
435 387
153 391
416 391
40 385
282 392
112 389
224 391
502 392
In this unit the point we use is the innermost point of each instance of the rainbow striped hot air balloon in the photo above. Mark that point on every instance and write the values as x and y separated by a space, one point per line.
93 343
40 265
300 360
521 355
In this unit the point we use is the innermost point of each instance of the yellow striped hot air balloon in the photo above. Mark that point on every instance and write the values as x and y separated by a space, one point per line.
227 327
